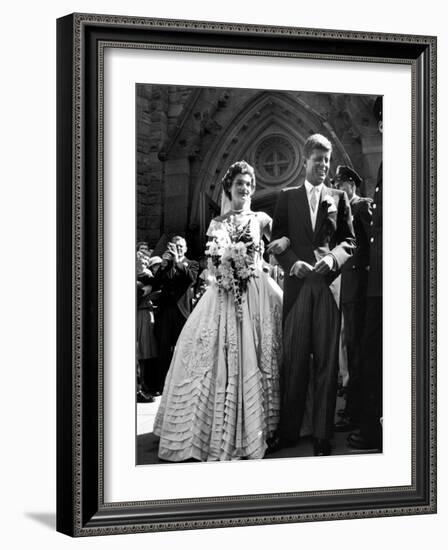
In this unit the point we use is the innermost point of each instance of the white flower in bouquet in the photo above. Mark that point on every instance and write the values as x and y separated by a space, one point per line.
227 255
240 248
246 273
212 249
220 236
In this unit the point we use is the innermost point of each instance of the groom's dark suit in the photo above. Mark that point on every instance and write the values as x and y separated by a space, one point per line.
310 314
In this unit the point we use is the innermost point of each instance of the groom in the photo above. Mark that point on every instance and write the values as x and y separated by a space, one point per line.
318 223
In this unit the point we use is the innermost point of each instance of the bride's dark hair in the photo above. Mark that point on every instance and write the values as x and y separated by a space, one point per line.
240 167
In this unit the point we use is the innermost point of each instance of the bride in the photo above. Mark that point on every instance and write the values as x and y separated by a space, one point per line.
221 398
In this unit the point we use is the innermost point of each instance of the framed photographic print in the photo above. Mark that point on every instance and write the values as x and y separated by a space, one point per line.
246 274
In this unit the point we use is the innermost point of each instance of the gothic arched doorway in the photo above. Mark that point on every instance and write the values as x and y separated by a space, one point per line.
268 131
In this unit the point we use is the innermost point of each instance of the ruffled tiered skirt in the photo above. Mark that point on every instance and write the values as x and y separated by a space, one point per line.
221 399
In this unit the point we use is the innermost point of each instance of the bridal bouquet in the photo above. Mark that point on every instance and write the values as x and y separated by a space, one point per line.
231 259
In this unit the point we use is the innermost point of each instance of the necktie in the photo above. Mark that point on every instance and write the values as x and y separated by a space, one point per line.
313 199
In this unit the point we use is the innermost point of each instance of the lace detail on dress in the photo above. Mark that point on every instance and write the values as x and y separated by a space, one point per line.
200 351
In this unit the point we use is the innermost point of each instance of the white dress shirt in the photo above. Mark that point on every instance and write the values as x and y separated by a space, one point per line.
329 258
309 189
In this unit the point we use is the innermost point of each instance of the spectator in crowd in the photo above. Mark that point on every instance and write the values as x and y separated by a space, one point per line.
175 279
147 352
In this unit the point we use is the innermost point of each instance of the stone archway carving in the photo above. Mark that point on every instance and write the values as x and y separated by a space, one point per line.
268 131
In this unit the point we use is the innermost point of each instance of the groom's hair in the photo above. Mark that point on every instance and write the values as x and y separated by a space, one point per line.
240 167
316 141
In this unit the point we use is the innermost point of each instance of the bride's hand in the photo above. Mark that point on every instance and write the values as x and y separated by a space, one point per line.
278 245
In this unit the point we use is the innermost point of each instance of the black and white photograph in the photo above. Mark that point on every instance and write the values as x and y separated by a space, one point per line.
253 336
258 274
222 293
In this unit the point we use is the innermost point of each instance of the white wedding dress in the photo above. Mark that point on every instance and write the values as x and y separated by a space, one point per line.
221 399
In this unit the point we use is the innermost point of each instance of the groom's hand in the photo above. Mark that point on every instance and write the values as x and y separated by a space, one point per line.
325 265
301 269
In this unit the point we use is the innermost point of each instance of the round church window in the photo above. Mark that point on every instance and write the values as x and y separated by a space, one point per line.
275 160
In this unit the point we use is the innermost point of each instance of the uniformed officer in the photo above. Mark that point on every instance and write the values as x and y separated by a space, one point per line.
354 277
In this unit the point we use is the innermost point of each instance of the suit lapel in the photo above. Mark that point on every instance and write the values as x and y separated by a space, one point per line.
303 210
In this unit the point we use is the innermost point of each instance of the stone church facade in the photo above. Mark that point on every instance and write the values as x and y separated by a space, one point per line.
188 136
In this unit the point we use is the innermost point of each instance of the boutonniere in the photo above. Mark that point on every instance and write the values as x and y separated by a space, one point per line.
328 202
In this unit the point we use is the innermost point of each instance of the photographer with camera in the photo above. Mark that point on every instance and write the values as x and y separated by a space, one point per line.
175 279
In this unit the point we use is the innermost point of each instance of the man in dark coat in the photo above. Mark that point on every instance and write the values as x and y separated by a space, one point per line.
354 277
317 221
175 279
370 434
